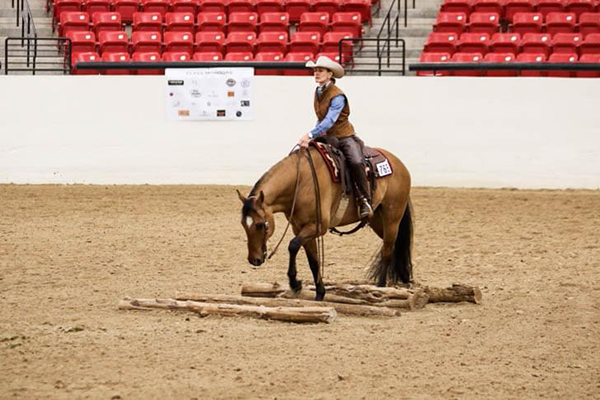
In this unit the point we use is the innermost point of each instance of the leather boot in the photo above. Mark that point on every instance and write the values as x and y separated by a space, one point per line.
363 198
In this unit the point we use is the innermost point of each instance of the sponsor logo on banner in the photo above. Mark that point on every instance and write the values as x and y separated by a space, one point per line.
245 82
245 103
231 82
230 94
221 113
238 113
173 82
195 93
183 113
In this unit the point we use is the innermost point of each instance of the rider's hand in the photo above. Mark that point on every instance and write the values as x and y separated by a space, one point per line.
303 142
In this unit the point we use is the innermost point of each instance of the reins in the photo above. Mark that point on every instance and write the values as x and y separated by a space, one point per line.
293 205
319 239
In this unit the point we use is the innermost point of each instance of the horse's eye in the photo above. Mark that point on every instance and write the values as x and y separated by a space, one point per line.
260 226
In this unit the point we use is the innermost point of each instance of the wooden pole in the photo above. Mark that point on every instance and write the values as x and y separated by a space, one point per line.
288 314
454 294
347 309
346 294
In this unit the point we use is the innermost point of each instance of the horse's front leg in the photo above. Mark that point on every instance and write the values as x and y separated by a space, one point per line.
305 234
313 260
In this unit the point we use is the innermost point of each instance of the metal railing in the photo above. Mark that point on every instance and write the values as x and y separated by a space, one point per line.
383 51
37 55
24 18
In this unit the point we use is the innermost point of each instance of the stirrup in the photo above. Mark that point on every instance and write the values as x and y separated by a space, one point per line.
365 210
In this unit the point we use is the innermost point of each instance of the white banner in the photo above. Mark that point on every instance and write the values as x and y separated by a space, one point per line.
210 93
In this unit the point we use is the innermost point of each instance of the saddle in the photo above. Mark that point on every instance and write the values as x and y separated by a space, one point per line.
376 164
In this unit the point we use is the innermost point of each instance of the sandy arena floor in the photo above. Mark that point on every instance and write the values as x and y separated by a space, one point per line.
69 253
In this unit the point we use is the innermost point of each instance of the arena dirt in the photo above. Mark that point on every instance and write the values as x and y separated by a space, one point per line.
69 253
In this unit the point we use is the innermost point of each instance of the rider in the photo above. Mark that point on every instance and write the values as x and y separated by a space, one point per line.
332 109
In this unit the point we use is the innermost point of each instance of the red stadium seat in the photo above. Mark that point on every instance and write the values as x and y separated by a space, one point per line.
298 57
146 42
562 58
242 22
214 6
269 6
467 58
590 45
295 8
511 7
269 57
61 6
272 42
210 42
82 42
531 58
505 43
179 42
546 7
158 6
116 57
361 6
347 22
185 6
211 22
243 56
474 43
147 57
589 58
441 43
71 21
560 23
113 42
126 8
500 58
274 22
305 42
176 56
537 43
527 23
84 57
245 6
331 43
589 23
566 43
241 42
148 22
457 6
179 22
434 58
451 22
314 22
579 7
490 6
106 21
327 6
480 22
207 57
94 6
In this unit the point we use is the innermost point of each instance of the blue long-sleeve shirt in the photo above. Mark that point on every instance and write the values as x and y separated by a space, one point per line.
335 108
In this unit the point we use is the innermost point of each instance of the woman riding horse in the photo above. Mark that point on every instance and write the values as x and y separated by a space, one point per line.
332 109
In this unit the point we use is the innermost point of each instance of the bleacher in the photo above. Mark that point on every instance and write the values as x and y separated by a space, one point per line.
508 31
209 30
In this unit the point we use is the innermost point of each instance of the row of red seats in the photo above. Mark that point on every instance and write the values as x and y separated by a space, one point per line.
571 43
208 42
200 57
295 8
508 8
508 58
214 22
522 22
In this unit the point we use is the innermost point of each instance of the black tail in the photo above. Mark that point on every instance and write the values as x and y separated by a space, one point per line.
401 268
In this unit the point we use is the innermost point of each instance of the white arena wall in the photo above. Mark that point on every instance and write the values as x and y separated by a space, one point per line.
455 132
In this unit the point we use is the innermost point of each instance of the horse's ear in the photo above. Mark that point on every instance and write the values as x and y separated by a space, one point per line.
242 198
261 197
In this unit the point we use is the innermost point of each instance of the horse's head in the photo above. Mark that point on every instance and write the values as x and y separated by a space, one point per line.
259 225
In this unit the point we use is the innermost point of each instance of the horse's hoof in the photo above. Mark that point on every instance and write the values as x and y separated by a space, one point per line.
296 286
320 296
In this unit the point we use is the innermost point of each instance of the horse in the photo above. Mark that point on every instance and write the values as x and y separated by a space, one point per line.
291 180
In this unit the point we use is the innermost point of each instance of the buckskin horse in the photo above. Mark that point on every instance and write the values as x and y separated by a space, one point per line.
289 187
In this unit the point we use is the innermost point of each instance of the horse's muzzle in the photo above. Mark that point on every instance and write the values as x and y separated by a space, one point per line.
255 261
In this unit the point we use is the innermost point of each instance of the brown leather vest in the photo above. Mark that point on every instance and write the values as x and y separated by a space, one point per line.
342 127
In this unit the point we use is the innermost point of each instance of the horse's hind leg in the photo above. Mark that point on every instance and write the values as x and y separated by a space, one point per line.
311 253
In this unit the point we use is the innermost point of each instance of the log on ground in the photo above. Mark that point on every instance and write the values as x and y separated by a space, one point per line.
288 314
455 294
341 308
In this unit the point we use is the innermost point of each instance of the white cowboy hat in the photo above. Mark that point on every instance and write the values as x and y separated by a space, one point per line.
328 63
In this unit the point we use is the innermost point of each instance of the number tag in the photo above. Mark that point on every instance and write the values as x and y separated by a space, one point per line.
383 168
